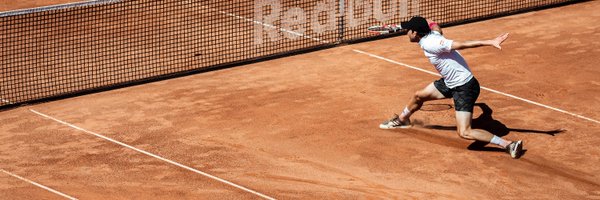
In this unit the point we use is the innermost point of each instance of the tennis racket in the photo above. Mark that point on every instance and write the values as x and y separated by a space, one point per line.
384 29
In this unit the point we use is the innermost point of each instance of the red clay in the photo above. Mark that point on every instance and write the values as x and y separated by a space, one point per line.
305 127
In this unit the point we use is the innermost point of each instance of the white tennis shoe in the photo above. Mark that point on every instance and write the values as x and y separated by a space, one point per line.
395 123
515 149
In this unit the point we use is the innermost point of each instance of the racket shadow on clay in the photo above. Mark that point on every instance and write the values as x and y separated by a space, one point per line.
486 122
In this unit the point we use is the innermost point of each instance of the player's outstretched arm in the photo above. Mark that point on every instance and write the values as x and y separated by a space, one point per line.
496 42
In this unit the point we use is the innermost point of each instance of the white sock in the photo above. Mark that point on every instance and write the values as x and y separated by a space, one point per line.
406 113
499 141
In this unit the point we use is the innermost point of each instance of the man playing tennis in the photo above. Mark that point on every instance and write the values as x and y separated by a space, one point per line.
457 82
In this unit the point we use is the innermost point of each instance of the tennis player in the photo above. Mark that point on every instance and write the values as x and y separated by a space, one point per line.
457 82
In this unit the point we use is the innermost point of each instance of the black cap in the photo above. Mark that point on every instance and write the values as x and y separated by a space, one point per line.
417 24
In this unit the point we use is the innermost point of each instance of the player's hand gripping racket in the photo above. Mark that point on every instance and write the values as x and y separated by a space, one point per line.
384 29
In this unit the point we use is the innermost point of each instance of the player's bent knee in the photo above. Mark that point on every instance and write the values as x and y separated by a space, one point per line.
419 96
465 134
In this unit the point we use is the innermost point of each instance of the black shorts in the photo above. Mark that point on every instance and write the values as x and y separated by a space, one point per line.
464 96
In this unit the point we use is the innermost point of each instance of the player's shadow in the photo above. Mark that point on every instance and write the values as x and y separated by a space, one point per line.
486 122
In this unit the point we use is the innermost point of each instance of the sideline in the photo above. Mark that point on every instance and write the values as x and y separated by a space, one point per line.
39 185
484 88
156 156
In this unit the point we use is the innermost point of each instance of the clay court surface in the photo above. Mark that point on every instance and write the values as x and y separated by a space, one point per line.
306 126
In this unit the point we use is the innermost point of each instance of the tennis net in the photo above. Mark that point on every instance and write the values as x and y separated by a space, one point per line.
76 48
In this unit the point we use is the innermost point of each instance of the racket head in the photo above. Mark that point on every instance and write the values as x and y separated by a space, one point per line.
379 29
383 29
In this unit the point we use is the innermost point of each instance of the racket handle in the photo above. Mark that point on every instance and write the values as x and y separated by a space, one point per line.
395 27
392 28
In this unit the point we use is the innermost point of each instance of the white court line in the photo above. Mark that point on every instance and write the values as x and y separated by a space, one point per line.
37 184
268 25
485 88
156 156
